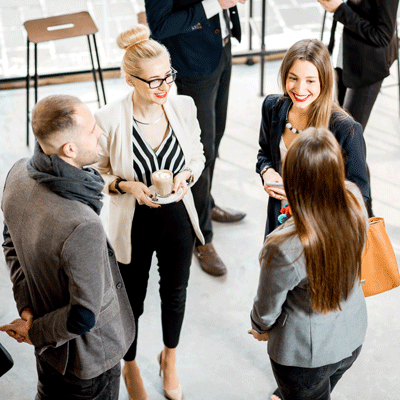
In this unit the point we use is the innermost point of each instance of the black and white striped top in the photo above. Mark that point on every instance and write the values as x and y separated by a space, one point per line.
169 155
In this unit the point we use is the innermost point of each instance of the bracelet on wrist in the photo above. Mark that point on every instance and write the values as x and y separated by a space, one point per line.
190 180
264 170
117 188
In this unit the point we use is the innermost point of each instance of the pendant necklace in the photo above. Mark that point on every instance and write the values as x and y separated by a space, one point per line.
289 125
150 123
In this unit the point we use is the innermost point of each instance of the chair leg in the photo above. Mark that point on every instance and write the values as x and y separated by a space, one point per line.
250 27
36 75
398 79
323 26
93 71
263 30
100 71
28 78
398 65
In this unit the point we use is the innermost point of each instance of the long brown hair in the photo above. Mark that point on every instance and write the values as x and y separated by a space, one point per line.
314 51
328 219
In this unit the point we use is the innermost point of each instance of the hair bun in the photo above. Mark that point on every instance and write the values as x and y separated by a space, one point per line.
134 35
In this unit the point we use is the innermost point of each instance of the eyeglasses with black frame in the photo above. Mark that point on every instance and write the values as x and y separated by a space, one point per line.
156 83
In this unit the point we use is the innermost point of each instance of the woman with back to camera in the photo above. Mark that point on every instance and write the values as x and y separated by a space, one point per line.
145 131
309 304
306 76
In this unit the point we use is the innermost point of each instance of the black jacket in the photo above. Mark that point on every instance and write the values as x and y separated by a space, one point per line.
347 132
369 40
194 42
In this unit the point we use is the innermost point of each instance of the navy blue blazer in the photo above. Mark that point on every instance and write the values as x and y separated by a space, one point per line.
347 132
193 41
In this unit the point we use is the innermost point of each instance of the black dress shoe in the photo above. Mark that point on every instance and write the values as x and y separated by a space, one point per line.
209 260
228 215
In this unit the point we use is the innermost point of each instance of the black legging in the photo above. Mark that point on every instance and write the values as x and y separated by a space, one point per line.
358 102
168 232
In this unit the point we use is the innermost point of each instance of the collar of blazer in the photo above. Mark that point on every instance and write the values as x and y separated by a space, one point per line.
278 127
175 110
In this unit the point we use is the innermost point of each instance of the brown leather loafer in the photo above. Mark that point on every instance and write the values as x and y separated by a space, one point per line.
228 215
209 260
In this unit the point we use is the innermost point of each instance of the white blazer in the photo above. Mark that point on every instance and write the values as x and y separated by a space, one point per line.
116 161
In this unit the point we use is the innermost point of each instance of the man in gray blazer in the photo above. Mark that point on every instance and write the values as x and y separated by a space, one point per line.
67 286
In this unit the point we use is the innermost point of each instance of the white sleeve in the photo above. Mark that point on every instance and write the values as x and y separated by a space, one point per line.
211 7
140 6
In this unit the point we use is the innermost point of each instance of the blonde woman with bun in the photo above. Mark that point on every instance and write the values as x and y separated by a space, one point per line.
144 131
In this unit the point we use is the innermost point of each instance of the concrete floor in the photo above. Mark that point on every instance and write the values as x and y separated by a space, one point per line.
217 359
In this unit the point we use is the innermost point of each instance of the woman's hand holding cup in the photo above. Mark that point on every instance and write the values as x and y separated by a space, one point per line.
271 176
140 191
180 180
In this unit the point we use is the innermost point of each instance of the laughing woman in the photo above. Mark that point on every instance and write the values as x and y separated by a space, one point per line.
306 77
145 131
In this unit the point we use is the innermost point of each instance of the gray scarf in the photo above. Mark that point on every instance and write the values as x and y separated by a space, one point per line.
84 185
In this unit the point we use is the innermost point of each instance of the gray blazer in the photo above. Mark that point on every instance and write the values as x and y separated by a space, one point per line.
58 255
298 336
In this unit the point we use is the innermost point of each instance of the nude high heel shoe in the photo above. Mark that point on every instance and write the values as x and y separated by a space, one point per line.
123 373
173 394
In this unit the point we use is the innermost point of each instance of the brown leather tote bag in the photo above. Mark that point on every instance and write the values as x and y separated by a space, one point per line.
379 270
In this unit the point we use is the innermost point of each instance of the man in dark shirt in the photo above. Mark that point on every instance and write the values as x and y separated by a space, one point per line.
198 37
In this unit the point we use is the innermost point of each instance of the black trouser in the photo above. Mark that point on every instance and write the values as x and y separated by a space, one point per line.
168 232
297 383
53 385
358 102
210 94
